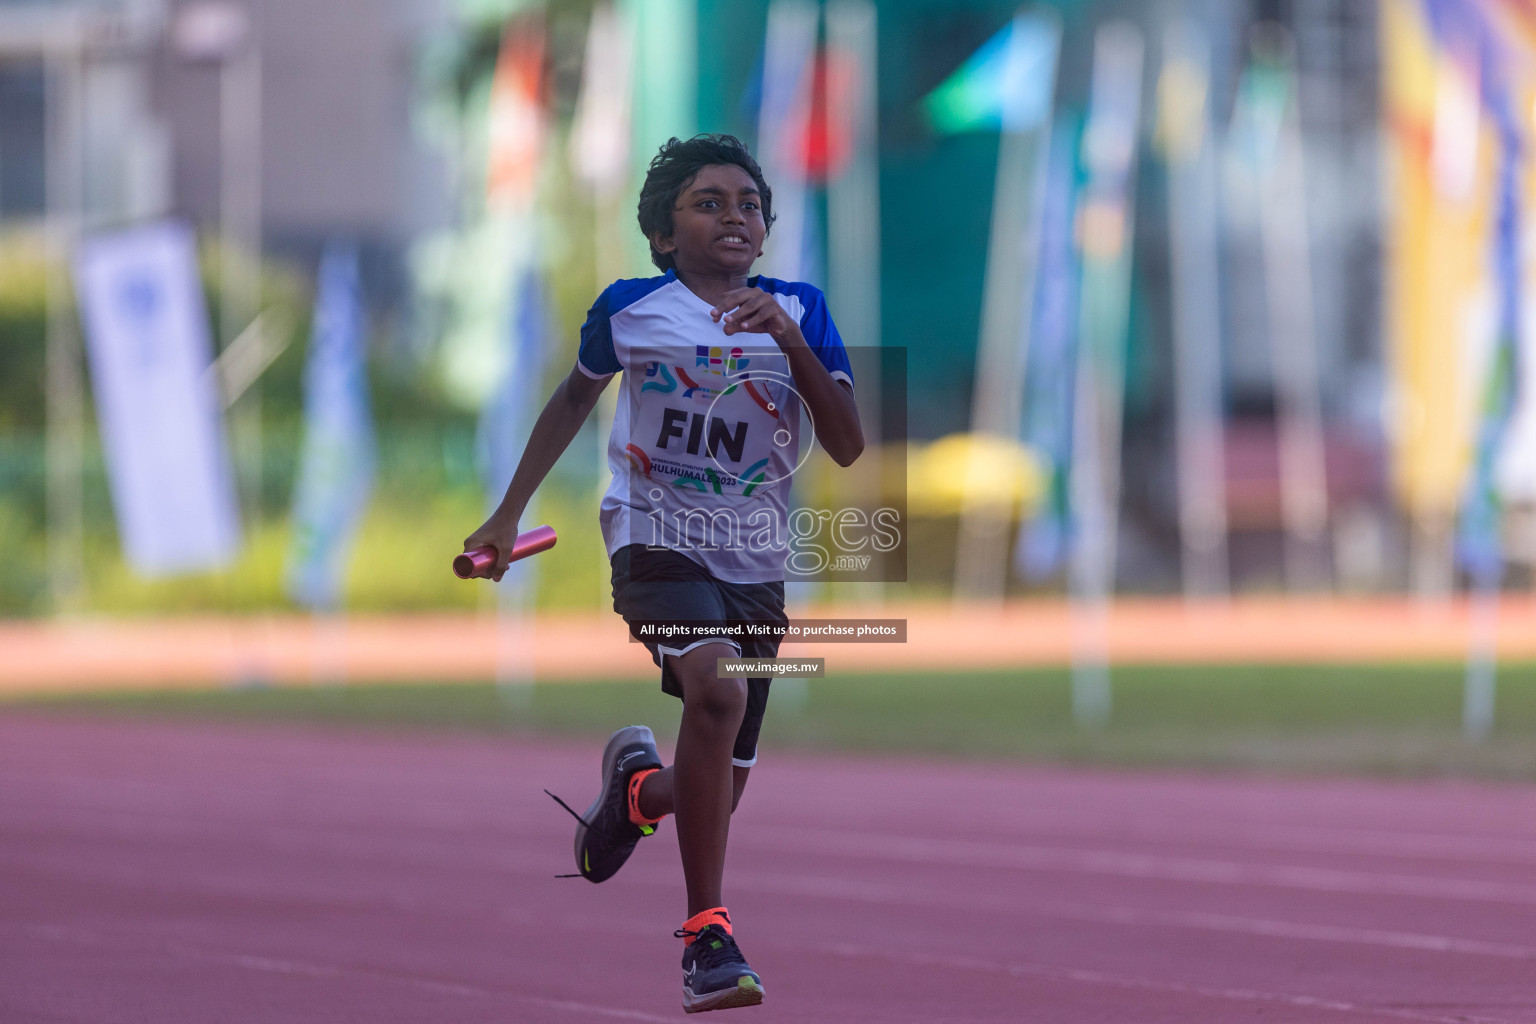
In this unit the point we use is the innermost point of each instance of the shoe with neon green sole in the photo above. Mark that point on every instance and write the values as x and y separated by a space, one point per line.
715 974
605 837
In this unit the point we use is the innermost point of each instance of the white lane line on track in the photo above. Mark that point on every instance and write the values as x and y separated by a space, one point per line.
1104 978
862 891
870 892
278 965
426 850
966 853
1026 969
430 819
1246 833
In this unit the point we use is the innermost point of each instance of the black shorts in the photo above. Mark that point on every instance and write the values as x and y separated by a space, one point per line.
658 585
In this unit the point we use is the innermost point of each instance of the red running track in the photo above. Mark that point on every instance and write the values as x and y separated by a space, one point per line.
176 873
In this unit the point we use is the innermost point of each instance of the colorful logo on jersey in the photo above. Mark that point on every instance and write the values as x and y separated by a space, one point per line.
693 389
717 360
658 372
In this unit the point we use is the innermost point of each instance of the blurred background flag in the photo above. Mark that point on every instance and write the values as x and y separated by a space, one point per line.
1010 84
515 117
784 122
1046 419
851 125
1480 548
336 462
1516 472
664 93
1267 128
498 238
600 129
1478 542
1437 218
1194 239
1111 138
600 151
786 100
852 171
146 333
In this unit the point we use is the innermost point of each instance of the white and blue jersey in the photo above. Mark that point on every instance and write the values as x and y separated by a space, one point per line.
706 438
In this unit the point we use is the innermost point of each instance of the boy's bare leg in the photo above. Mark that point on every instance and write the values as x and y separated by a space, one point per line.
701 771
656 791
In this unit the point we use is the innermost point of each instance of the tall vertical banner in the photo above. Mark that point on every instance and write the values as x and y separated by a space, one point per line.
789 51
515 119
1434 271
1267 115
600 127
1047 416
853 184
600 155
146 333
852 163
1023 72
1479 541
1183 112
499 236
337 460
664 90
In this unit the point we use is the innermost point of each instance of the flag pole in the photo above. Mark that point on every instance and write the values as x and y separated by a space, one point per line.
64 439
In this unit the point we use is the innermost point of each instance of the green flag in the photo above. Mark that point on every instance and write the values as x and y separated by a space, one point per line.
1009 81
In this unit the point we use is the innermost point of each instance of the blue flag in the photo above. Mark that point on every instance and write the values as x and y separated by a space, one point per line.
337 461
1478 545
1048 389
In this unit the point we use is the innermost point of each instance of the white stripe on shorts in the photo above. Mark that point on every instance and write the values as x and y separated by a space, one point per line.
679 652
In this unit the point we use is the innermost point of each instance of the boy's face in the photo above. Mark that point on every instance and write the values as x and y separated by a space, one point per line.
717 223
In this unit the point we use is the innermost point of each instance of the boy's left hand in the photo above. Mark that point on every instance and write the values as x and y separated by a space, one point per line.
754 311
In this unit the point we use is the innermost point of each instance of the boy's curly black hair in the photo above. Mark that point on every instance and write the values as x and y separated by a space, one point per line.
675 167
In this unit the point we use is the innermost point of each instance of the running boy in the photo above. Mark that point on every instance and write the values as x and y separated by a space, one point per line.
704 444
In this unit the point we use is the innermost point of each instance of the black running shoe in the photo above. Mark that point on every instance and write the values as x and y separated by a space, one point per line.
605 836
715 974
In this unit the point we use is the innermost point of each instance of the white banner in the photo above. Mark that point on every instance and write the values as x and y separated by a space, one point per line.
146 332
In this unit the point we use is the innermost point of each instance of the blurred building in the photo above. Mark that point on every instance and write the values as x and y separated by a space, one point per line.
332 124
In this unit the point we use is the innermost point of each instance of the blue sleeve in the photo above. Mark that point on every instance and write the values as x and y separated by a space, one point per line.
596 357
822 337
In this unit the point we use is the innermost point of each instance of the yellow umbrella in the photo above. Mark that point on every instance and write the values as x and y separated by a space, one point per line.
986 469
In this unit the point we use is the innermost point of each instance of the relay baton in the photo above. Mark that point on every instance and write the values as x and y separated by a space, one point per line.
479 561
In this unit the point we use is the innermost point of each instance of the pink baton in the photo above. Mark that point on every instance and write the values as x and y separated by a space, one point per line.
477 563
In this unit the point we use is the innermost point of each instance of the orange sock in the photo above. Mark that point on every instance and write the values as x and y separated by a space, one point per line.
698 922
635 817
